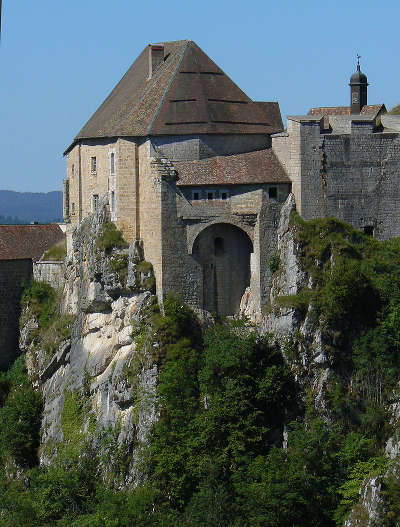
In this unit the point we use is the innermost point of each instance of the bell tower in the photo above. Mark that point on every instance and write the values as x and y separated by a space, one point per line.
358 89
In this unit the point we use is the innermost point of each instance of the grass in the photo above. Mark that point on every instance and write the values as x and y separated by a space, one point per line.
110 238
58 252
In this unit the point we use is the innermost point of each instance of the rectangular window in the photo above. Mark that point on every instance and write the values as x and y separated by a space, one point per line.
112 163
112 201
224 194
93 165
273 192
210 194
73 169
196 195
95 202
73 208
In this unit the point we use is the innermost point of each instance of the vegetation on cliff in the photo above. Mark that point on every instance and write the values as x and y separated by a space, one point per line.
238 441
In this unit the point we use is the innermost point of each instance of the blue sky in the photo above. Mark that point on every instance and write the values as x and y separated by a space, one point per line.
59 59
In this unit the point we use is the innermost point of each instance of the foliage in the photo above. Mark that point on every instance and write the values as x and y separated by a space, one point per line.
20 415
41 298
110 237
274 262
58 252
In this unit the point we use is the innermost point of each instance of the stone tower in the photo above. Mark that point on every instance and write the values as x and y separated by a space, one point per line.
358 89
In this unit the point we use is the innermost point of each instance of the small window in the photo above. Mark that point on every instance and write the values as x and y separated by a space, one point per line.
112 163
93 165
210 194
369 230
73 208
273 192
224 195
112 201
196 195
73 169
95 202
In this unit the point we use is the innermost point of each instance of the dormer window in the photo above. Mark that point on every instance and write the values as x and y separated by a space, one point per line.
93 165
210 195
112 163
224 194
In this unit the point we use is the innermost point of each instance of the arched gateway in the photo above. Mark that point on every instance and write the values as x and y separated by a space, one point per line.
223 251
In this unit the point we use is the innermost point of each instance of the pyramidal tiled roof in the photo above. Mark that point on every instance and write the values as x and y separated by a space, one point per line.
187 94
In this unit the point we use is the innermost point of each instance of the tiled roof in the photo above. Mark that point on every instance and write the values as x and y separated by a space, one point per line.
369 109
28 241
187 94
261 166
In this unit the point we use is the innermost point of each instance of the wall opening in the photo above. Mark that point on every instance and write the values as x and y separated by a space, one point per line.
369 230
223 252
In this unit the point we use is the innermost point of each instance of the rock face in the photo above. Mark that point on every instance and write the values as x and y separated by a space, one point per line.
114 378
300 337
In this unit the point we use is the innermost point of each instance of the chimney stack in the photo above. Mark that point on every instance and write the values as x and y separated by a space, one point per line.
156 57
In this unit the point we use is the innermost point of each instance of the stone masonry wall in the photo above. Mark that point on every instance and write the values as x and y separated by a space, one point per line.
50 271
12 273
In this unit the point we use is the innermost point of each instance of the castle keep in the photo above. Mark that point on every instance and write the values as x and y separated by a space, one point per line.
198 172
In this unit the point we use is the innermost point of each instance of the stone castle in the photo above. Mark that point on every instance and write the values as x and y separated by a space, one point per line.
197 172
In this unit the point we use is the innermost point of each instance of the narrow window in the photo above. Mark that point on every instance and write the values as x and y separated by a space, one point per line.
210 194
273 192
93 165
73 208
73 169
224 194
196 195
219 246
369 230
112 163
112 201
95 202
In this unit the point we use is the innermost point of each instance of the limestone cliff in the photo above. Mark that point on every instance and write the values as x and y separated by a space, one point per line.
112 378
311 347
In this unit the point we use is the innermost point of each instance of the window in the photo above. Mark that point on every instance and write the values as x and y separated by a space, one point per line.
112 201
196 195
73 208
224 194
73 169
93 165
95 202
273 192
210 194
112 163
369 230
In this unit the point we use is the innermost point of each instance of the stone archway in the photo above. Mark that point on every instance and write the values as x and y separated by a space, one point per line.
223 252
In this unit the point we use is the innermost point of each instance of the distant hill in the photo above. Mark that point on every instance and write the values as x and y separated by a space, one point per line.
24 207
395 110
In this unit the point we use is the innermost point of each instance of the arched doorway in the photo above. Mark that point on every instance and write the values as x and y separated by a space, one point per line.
223 251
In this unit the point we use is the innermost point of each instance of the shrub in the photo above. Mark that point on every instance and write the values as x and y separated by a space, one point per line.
110 238
58 252
274 262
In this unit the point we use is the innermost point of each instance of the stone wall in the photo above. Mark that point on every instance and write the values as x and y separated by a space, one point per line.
12 273
50 271
351 176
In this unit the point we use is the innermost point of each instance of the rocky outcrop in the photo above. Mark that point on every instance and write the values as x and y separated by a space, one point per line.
297 331
113 377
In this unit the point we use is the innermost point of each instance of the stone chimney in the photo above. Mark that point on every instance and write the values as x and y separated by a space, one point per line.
156 57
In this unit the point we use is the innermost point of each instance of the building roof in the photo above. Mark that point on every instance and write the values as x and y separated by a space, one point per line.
186 94
261 166
28 241
369 109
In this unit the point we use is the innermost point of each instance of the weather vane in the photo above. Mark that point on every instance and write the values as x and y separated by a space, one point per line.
358 58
